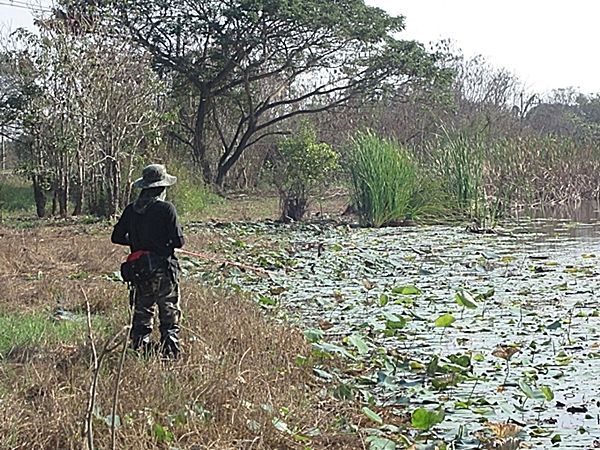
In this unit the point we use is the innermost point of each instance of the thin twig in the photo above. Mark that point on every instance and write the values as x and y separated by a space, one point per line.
88 431
242 360
97 364
472 390
115 400
507 371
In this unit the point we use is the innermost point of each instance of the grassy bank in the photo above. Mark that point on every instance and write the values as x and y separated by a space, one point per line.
238 384
16 195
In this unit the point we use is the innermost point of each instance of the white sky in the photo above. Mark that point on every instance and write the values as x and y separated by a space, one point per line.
547 43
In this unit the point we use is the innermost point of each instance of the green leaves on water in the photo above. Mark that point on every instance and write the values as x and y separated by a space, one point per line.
267 302
461 360
406 290
547 393
360 345
529 392
325 348
383 324
393 323
424 419
544 393
468 300
444 321
446 381
380 443
372 415
458 364
384 299
562 359
313 335
336 247
554 325
465 299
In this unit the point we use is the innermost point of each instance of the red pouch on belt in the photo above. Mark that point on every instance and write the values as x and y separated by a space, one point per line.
137 255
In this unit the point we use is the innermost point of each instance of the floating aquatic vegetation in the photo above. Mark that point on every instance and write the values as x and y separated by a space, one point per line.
466 338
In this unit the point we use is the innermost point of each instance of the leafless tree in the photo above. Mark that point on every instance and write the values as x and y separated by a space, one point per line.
94 114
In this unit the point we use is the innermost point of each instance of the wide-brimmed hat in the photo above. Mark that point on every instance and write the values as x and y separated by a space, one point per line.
154 175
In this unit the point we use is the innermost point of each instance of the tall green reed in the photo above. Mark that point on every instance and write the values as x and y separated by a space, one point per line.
460 160
383 180
460 163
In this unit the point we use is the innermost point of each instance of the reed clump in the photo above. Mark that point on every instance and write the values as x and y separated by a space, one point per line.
485 178
383 180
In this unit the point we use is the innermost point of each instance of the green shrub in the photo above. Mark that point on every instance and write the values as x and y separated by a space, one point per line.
301 167
190 194
384 182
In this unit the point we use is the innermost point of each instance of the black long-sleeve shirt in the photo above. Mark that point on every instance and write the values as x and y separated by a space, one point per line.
157 229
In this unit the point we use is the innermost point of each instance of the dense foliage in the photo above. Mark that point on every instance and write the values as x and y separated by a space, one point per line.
301 167
92 116
248 66
211 87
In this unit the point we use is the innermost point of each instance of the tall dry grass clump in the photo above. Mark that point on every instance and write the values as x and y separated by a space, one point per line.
546 170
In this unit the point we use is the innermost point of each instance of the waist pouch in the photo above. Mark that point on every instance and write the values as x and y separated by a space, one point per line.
143 265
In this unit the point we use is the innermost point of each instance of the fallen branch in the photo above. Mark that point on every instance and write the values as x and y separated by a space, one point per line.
226 262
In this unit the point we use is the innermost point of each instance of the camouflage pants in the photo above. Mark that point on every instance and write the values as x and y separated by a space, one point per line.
161 290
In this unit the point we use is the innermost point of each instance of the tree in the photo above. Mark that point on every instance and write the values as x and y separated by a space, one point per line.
301 167
94 112
253 64
489 98
567 112
13 96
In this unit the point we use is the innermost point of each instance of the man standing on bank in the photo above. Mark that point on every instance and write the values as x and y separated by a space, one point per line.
150 227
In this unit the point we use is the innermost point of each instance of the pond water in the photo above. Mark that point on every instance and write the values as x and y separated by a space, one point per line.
428 316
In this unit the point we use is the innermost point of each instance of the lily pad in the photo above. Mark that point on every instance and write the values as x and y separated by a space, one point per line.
424 419
444 321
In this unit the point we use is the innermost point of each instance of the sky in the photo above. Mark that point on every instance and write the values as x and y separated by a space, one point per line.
548 44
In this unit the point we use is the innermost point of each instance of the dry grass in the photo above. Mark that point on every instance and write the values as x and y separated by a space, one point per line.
244 207
237 374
